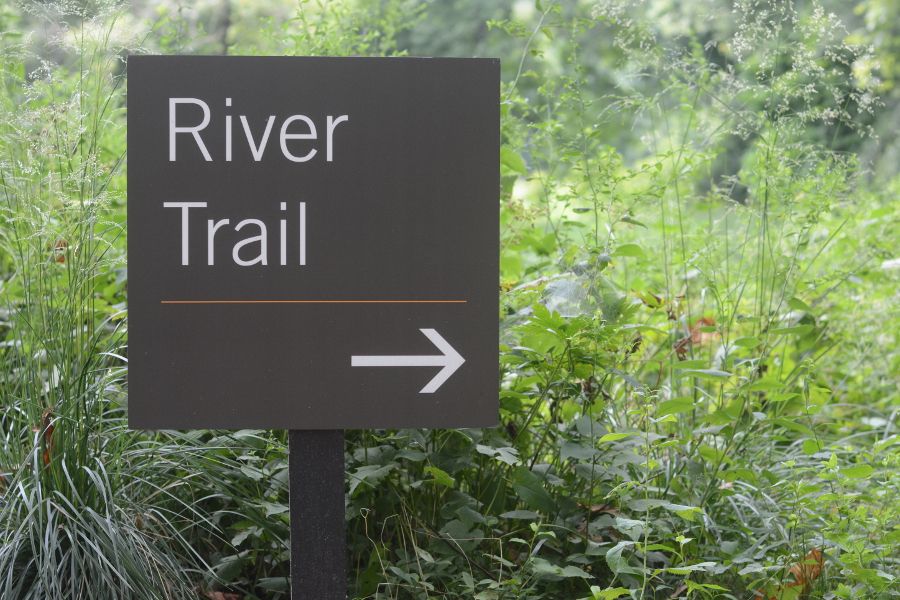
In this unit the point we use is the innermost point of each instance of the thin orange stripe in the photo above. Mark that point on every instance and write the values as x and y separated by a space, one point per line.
313 301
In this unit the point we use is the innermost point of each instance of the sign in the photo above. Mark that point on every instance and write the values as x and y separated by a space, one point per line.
312 242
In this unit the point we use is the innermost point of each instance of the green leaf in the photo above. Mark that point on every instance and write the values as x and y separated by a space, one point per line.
708 373
573 571
507 455
530 489
795 330
273 508
798 304
464 536
739 474
688 513
512 160
577 451
747 342
527 515
633 221
885 443
243 534
424 555
252 472
613 437
273 584
440 476
370 475
618 563
710 454
695 586
811 446
228 568
632 250
857 472
674 406
609 593
704 566
412 455
511 265
765 385
794 426
630 527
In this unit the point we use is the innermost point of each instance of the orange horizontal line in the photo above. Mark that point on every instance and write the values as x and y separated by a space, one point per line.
313 301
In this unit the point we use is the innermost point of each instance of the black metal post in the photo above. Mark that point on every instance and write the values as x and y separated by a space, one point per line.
318 530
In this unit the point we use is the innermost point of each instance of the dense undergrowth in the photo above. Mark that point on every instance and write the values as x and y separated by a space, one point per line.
697 312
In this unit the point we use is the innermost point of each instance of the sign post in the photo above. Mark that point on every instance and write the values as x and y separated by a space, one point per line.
313 245
318 533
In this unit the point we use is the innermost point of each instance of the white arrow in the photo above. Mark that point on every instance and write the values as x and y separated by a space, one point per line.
450 359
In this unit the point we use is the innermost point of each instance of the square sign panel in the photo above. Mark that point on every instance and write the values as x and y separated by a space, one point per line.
312 242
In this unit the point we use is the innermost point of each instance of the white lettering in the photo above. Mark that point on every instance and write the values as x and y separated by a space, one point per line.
260 239
332 123
193 130
185 222
310 135
258 151
212 226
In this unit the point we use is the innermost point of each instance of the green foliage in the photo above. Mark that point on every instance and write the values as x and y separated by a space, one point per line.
670 396
698 324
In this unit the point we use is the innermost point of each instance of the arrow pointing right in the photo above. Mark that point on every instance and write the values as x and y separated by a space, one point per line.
449 359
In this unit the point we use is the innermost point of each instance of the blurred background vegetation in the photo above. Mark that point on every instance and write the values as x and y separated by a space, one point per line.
698 313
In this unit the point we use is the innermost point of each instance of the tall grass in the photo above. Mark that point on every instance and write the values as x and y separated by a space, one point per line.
88 509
